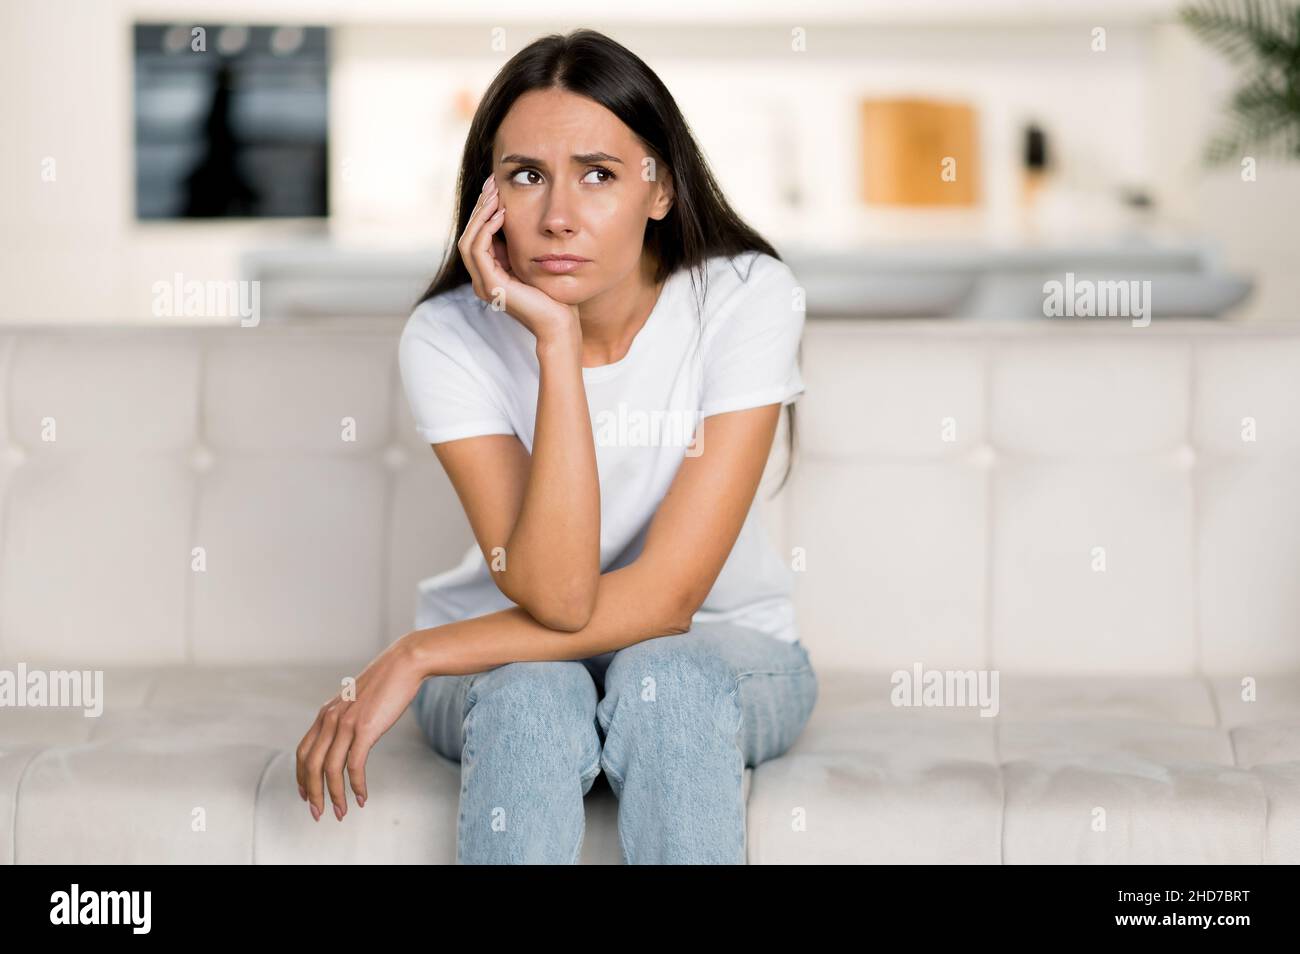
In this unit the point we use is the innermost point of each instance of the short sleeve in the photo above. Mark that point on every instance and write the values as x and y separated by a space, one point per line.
752 355
445 388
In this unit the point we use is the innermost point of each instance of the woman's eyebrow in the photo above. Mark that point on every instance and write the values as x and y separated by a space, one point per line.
582 158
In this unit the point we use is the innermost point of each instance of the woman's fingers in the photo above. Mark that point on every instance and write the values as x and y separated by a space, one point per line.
316 759
483 209
466 240
304 748
500 253
493 275
335 759
483 263
332 745
357 768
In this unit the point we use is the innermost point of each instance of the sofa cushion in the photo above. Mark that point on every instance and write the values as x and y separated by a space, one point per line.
1070 770
194 765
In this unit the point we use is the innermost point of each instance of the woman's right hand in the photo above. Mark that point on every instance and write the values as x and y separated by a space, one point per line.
483 250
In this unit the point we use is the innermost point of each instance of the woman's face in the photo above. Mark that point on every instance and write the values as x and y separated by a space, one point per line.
574 181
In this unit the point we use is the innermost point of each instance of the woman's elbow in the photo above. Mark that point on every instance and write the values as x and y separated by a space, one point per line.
565 621
569 611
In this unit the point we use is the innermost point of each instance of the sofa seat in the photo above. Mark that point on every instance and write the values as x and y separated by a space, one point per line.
1071 770
194 764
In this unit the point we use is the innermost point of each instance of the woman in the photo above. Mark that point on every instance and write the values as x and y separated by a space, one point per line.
606 431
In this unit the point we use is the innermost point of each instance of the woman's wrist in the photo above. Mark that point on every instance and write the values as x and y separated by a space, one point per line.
564 338
424 648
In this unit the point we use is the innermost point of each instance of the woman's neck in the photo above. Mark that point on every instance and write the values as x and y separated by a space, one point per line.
612 319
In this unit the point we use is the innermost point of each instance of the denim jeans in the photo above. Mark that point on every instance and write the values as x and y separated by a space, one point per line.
672 721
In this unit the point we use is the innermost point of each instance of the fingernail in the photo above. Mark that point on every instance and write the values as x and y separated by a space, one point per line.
361 801
315 813
485 183
338 813
302 793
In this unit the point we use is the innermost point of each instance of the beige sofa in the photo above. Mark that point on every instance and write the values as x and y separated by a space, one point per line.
1067 504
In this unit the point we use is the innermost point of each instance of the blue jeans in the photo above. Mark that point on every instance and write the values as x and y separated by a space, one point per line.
677 721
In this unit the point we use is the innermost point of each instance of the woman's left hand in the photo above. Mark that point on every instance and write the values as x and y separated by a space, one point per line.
351 723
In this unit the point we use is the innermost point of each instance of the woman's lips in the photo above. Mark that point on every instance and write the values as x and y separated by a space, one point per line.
559 266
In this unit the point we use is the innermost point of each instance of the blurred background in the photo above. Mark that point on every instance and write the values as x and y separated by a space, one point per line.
932 158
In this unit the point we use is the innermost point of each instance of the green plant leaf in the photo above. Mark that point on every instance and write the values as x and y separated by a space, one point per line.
1263 36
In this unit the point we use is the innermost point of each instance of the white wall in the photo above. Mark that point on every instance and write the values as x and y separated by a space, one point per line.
1135 114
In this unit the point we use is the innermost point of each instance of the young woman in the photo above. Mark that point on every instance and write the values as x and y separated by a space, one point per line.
599 367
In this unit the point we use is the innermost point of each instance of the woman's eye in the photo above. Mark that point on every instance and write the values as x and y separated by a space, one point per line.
599 170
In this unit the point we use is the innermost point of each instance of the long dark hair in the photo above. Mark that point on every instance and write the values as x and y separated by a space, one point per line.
700 223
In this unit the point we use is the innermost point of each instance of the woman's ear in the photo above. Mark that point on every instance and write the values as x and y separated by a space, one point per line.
664 197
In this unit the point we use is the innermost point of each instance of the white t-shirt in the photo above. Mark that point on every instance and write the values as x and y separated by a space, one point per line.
469 370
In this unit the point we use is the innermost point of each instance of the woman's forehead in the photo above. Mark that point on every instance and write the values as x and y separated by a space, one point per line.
573 122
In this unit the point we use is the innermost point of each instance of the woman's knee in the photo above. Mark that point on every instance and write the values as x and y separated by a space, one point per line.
669 669
671 691
534 708
559 687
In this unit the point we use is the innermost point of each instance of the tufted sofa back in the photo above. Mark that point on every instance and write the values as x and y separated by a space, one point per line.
1063 497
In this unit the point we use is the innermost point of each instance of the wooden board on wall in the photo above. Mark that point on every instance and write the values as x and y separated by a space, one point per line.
919 152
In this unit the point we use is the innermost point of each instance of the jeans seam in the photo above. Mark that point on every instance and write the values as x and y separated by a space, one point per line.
769 672
735 689
464 754
613 774
604 728
582 836
624 841
616 777
740 781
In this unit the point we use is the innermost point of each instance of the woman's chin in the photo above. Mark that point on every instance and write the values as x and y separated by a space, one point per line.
568 289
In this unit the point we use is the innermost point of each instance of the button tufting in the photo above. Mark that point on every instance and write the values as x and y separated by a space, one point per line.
202 459
395 457
983 455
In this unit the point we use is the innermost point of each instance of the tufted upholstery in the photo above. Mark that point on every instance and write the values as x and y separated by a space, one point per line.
953 484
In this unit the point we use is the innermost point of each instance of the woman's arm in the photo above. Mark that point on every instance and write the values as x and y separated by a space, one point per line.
631 605
537 519
557 536
689 540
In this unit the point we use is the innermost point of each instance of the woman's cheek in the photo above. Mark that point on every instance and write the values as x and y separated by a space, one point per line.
607 207
613 219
